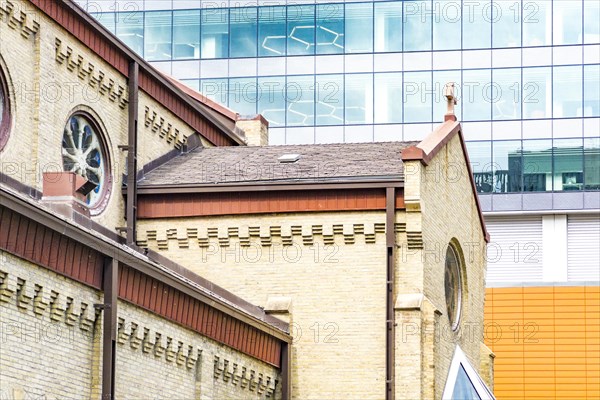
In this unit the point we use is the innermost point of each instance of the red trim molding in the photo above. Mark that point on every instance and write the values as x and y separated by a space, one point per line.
235 203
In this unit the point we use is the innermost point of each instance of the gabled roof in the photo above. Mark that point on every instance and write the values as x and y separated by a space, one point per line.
316 163
24 216
211 122
433 143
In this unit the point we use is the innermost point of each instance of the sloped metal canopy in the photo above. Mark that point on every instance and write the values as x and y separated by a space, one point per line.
464 383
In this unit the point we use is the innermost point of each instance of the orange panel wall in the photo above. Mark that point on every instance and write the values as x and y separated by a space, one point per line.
546 341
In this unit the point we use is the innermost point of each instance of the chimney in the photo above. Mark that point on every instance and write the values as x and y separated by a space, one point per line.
65 193
256 130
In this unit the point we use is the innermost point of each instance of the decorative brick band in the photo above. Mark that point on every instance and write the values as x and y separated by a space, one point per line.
87 72
157 124
40 299
307 235
159 345
239 375
18 20
414 240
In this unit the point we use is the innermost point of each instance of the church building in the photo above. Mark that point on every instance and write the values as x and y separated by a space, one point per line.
152 244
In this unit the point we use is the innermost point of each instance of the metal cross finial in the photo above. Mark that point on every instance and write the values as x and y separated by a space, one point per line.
449 93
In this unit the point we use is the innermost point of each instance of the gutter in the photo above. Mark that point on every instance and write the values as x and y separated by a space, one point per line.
395 182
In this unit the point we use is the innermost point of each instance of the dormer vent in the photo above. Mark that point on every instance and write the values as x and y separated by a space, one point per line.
289 158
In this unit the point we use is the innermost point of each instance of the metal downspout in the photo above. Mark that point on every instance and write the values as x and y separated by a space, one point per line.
390 238
109 335
131 212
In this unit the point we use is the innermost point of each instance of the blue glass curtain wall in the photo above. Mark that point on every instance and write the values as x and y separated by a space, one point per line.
500 94
349 28
536 165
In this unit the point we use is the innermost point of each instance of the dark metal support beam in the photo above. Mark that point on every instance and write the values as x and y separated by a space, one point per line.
132 152
286 371
390 236
109 337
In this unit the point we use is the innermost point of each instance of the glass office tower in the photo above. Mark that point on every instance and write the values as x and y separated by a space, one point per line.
527 73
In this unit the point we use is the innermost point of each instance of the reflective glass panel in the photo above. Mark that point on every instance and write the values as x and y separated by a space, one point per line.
591 90
567 92
446 24
106 19
568 164
537 26
537 93
330 99
418 96
477 25
271 100
359 28
591 157
477 95
591 16
301 30
330 29
388 98
215 89
388 26
417 25
507 166
158 35
215 33
300 97
186 34
480 155
192 83
271 31
567 18
506 27
463 388
130 29
537 165
242 96
506 94
243 31
359 98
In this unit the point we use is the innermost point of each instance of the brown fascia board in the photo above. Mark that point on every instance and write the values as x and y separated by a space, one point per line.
433 143
171 274
114 41
262 186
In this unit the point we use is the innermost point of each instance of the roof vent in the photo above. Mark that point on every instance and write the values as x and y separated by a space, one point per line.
289 158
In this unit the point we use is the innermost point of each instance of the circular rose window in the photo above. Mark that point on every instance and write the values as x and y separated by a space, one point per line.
4 112
83 152
452 286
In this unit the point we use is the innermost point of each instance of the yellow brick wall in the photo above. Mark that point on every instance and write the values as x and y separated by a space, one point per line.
333 271
440 208
51 342
44 92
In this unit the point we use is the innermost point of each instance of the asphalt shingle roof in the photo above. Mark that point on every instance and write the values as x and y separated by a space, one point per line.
317 163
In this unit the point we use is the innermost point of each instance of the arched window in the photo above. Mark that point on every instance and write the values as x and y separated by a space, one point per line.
84 152
453 286
5 117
